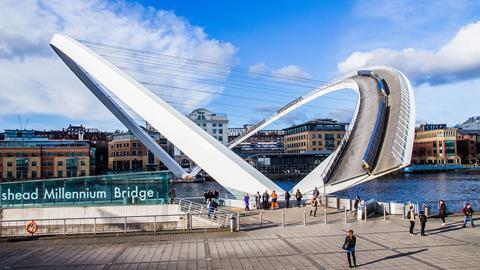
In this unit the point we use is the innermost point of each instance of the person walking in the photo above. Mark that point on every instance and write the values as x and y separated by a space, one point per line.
468 215
258 197
172 194
265 198
314 205
287 199
422 218
216 194
316 193
298 196
356 204
274 200
411 217
349 247
246 200
205 196
442 209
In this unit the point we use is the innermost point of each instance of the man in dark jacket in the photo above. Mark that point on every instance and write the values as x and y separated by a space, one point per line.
287 199
265 197
468 215
422 218
349 247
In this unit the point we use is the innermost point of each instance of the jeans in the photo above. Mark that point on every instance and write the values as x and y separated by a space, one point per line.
351 251
466 219
287 203
412 225
422 230
299 202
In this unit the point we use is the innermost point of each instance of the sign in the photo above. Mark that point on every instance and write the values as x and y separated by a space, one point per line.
136 188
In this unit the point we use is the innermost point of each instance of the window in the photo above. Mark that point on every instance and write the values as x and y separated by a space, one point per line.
34 174
314 142
82 162
220 131
34 163
214 125
9 164
82 173
60 163
220 138
60 173
314 136
339 135
214 131
220 125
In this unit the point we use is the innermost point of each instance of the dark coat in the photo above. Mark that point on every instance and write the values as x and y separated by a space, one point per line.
443 209
349 243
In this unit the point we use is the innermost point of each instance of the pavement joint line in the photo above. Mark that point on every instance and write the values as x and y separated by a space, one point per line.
398 252
300 252
208 259
112 261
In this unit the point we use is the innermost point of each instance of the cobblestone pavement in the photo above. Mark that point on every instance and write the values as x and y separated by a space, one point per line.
380 245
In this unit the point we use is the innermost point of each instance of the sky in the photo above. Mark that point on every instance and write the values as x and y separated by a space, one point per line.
435 43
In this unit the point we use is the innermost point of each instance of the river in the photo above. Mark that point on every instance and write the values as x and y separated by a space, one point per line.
391 188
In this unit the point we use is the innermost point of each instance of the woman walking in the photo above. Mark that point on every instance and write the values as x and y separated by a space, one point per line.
349 247
246 199
298 196
314 204
411 217
443 211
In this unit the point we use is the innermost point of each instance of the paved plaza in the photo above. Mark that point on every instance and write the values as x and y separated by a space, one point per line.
380 245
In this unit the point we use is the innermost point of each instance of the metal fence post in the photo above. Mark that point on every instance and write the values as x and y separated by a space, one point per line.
189 206
154 223
94 225
261 219
325 215
403 211
238 221
304 218
283 219
345 215
232 223
365 212
125 224
64 226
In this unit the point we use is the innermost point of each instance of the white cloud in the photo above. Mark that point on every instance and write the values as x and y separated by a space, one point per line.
290 71
457 60
34 80
258 68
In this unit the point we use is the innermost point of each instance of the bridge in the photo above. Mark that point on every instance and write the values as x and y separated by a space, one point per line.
379 139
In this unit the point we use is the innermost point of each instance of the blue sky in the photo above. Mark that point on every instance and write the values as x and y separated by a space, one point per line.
436 43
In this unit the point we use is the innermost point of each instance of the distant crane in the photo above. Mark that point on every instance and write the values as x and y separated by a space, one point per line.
20 121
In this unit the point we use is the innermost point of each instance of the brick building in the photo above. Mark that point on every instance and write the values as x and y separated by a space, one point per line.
438 146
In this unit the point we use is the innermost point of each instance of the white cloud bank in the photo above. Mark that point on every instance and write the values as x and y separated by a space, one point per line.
286 72
457 60
34 80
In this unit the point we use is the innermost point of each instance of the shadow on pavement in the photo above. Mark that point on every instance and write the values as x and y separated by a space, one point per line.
395 256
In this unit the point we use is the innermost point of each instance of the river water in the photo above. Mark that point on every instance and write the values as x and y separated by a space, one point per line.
391 188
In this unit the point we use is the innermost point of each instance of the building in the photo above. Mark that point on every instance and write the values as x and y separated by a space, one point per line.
25 156
430 127
127 153
436 147
262 142
98 139
213 123
468 145
472 123
316 135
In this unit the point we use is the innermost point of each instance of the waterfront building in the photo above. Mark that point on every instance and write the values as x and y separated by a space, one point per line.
97 138
283 164
29 157
468 144
436 147
316 135
127 153
215 124
262 142
472 123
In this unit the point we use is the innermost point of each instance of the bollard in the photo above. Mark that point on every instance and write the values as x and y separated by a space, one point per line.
384 213
232 223
403 212
64 226
261 219
283 219
345 215
154 223
325 216
304 218
238 222
365 213
125 224
94 225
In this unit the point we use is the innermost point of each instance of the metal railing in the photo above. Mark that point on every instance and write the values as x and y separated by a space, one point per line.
214 215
